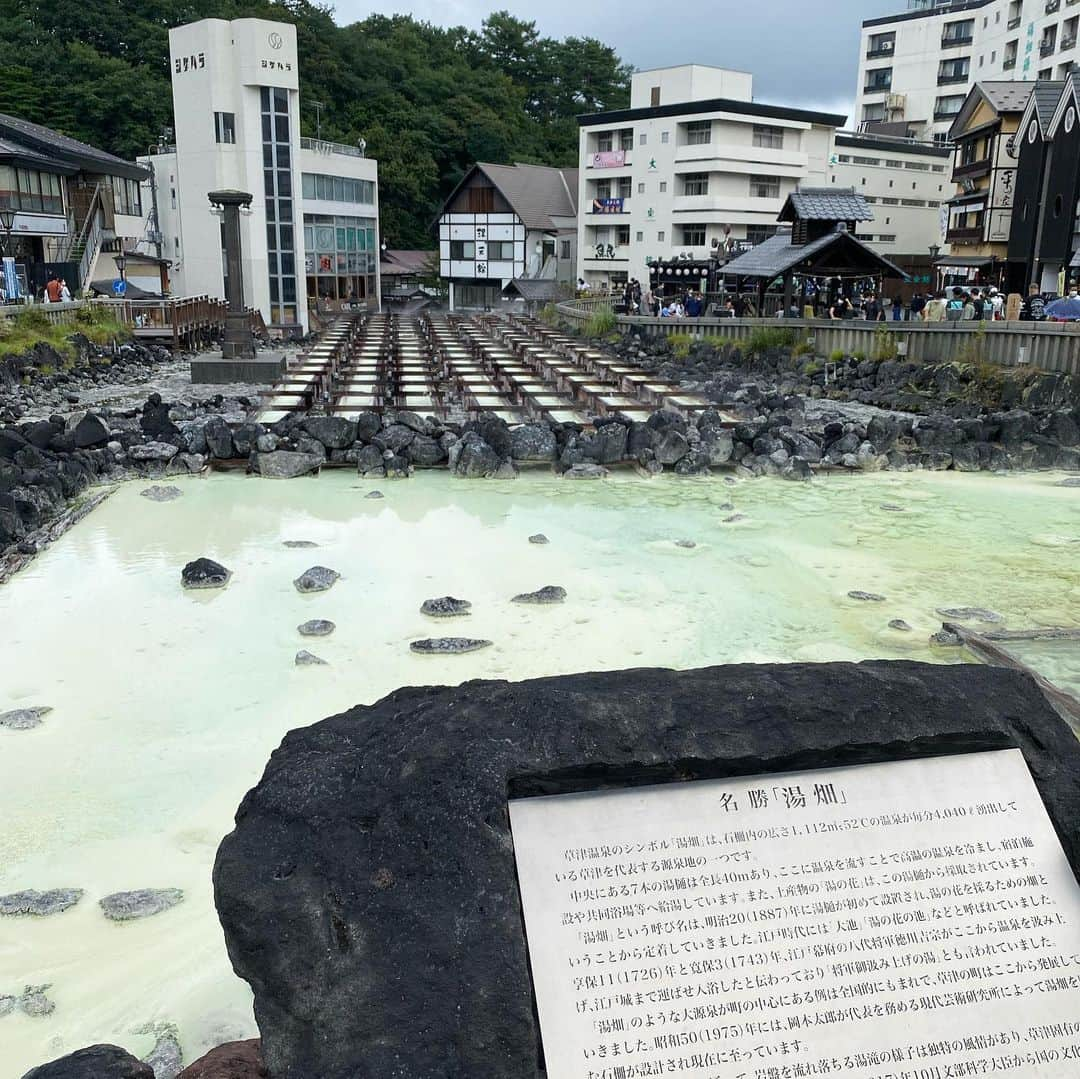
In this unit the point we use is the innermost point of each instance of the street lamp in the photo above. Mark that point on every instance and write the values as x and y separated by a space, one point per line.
121 263
7 223
935 250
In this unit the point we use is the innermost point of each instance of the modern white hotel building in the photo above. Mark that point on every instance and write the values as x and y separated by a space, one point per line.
694 166
916 67
312 234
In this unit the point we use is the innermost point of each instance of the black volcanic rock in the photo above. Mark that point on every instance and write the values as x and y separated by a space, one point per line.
94 1062
369 893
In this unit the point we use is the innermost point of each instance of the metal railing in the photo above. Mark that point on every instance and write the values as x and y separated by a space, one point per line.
321 146
1048 346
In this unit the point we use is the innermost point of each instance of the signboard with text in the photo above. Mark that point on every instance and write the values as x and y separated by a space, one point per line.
913 920
607 206
609 159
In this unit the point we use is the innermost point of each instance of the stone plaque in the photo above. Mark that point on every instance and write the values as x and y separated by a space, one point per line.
910 920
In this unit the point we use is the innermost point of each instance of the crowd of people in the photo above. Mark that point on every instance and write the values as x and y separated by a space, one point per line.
946 305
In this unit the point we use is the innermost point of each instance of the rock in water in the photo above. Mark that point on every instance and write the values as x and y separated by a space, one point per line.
286 464
299 543
34 1001
167 1057
7 1005
141 903
866 597
204 573
539 538
688 544
24 719
95 1062
369 890
233 1060
550 593
304 658
161 494
316 627
900 624
40 904
1070 481
445 607
946 637
447 646
316 579
370 494
969 614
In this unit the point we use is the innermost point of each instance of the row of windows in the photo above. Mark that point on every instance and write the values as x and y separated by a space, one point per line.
890 163
933 203
761 187
338 189
697 133
26 189
497 250
277 183
687 235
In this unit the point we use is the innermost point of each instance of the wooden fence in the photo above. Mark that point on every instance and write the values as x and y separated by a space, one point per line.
1049 346
56 313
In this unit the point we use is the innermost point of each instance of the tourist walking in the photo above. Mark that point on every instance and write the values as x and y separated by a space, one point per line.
897 309
52 289
918 305
1033 308
934 311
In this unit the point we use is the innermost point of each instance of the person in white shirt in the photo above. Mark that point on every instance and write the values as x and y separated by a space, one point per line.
997 305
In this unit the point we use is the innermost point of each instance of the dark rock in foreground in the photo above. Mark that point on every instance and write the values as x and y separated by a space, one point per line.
900 624
316 579
368 893
299 543
204 573
95 1062
448 646
550 593
233 1060
39 904
445 607
316 627
304 658
539 538
141 903
866 597
24 719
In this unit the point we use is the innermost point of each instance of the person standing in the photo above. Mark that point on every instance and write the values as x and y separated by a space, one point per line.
65 292
52 289
1034 307
934 311
918 304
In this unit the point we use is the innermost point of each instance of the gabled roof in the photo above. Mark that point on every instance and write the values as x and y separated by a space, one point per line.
1003 97
825 204
393 262
1070 95
537 290
828 254
1043 103
536 193
65 153
16 153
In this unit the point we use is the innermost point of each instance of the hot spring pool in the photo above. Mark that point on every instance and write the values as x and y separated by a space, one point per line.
168 703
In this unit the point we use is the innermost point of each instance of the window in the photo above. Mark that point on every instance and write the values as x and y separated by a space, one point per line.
626 138
912 202
341 254
874 113
31 191
654 96
918 166
695 183
880 45
953 70
277 188
625 187
1008 57
699 133
892 163
500 251
866 160
462 249
604 141
757 234
225 127
337 189
663 186
890 202
958 33
640 237
878 81
937 168
603 189
660 236
664 137
693 235
564 249
947 107
127 199
767 137
644 139
765 187
641 189
622 235
886 238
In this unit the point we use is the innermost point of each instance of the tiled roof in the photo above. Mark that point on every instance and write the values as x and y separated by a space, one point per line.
777 254
66 151
1045 98
394 262
826 204
12 150
538 290
1006 96
537 193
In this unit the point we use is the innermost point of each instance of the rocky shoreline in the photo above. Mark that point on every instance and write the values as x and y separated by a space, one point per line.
772 418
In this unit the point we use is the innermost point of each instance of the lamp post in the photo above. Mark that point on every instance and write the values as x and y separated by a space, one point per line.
121 265
7 223
935 250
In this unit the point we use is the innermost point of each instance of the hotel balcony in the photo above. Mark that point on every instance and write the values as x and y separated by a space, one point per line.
964 236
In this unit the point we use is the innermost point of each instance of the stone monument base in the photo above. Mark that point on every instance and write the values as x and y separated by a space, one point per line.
369 893
264 370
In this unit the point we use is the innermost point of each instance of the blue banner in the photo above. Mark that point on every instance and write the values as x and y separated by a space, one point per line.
607 206
11 279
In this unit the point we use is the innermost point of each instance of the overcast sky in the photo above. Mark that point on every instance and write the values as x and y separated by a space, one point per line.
800 53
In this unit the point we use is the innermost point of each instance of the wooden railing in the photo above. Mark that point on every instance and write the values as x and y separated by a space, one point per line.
56 313
1049 346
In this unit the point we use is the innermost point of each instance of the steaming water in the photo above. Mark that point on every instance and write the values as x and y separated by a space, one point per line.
167 704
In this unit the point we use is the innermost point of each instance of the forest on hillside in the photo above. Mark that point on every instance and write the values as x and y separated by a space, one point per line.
429 100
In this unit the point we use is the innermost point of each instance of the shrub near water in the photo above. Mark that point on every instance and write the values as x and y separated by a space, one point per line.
31 327
601 322
768 337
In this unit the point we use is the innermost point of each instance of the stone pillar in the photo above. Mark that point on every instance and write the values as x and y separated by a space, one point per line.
238 342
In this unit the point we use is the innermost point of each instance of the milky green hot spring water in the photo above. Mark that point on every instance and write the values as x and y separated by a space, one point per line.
167 704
